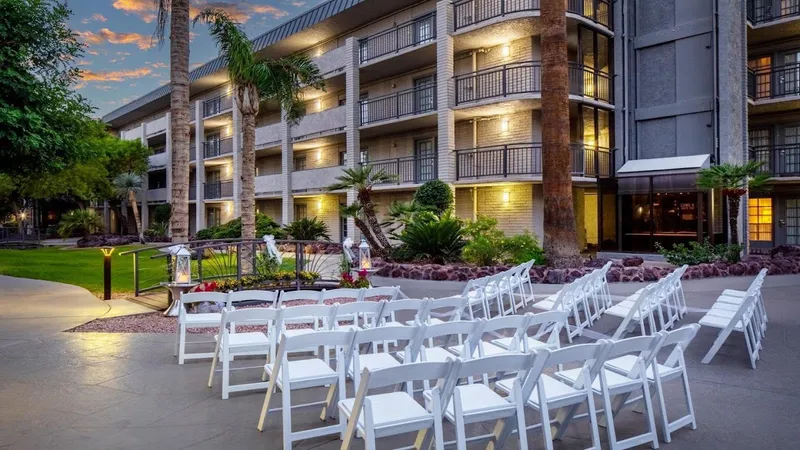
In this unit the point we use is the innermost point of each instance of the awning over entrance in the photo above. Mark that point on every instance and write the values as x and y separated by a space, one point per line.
664 166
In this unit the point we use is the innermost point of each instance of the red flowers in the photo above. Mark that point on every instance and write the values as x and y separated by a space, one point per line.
348 281
206 287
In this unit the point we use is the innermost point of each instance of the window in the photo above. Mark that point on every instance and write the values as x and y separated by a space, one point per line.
300 212
759 212
363 156
342 158
300 163
342 99
157 179
213 217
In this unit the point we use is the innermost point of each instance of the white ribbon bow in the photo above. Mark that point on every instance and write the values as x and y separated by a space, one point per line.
272 249
347 246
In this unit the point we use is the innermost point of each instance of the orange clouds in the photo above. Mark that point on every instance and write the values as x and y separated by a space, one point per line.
142 8
106 35
115 75
239 11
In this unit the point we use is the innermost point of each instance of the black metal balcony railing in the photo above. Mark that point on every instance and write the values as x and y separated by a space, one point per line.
526 77
193 192
751 84
774 82
511 160
761 11
217 105
409 34
218 189
471 12
417 100
779 160
217 147
408 169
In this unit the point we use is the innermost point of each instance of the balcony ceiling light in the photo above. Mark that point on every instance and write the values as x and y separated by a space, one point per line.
505 50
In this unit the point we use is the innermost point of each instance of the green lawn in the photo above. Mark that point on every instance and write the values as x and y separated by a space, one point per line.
84 267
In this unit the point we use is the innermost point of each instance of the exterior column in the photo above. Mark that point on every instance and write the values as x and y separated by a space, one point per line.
352 118
287 165
200 168
143 213
237 161
444 92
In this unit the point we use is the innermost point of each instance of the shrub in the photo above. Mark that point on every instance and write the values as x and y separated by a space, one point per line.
434 195
522 248
306 229
440 240
700 253
162 213
489 246
233 229
83 221
158 229
481 251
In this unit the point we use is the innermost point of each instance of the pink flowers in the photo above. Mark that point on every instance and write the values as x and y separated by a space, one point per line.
206 287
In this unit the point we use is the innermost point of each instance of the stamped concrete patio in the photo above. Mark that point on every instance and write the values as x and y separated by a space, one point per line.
125 391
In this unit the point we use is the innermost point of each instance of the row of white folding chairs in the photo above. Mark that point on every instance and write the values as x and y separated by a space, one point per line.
613 370
589 294
514 285
740 311
661 304
212 320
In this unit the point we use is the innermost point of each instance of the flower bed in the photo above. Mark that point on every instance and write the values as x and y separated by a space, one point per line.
779 263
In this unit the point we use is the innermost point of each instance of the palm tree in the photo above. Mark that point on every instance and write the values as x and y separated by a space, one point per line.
129 185
363 179
177 12
733 180
560 236
255 80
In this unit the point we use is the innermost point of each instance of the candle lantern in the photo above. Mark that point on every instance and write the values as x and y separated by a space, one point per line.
364 261
183 266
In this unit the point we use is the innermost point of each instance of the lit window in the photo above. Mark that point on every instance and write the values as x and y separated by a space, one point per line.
759 212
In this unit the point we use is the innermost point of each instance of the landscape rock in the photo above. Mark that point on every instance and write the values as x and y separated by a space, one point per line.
633 261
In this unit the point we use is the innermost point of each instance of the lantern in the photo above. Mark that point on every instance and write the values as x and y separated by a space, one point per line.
364 261
183 266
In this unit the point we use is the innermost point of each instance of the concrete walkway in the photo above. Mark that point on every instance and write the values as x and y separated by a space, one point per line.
125 391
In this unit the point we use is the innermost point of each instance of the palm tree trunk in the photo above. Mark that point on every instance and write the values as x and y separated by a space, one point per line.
179 118
560 236
375 226
365 231
734 203
248 171
136 218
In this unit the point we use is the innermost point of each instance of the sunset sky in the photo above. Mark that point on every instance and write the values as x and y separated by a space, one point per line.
122 62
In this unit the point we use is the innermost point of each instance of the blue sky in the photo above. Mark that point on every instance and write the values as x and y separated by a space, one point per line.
122 62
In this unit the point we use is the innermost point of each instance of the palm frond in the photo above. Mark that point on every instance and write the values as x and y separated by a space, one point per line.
125 183
233 44
163 8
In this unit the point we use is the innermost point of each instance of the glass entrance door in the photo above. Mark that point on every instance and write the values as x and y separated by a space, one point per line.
791 221
425 157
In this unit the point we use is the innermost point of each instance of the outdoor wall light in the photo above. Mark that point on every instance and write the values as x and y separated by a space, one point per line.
319 155
506 196
107 252
183 266
504 125
505 50
319 205
319 104
364 260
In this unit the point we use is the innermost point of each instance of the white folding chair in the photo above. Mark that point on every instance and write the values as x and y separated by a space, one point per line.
475 293
504 282
417 308
497 328
549 323
673 367
740 321
363 359
388 293
342 296
478 402
636 312
446 309
267 299
567 300
300 374
612 385
387 414
197 320
305 319
734 298
353 312
544 392
465 333
253 343
299 298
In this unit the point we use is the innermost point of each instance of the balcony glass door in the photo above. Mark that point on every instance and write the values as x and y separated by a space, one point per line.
425 157
789 75
423 94
792 221
790 7
423 30
212 145
789 155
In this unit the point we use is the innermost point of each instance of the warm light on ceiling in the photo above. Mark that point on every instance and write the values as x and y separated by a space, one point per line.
504 125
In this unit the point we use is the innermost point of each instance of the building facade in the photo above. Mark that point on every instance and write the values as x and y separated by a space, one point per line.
452 91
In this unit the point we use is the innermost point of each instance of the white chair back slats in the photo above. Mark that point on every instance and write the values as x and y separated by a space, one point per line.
547 324
267 297
462 334
416 308
367 413
388 293
446 309
197 320
511 327
342 296
302 297
635 313
403 338
288 376
355 311
475 293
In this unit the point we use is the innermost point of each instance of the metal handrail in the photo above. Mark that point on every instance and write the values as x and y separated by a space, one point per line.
778 160
401 36
763 11
776 81
408 169
217 147
218 104
521 159
412 101
471 12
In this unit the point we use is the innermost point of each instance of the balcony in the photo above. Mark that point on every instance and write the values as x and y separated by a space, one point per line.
409 102
779 160
526 77
524 160
313 180
471 12
193 192
158 160
212 149
774 82
217 105
269 135
419 31
408 169
217 190
267 185
331 63
157 126
320 124
157 195
764 11
132 134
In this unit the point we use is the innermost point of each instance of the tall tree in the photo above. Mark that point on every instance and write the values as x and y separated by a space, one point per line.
128 186
177 13
560 236
253 80
41 117
733 180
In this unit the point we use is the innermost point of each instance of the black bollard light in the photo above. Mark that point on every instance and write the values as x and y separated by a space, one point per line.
107 252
